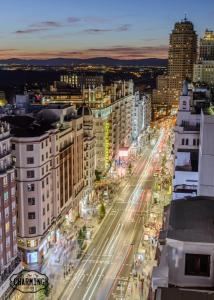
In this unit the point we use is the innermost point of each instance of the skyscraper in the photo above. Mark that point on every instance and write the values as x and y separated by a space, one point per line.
182 56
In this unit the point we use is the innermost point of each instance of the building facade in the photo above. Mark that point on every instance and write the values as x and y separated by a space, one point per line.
206 48
204 72
160 97
84 80
9 259
50 179
187 140
182 56
112 118
187 256
204 68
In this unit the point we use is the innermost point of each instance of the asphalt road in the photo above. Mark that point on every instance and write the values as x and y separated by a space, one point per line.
110 254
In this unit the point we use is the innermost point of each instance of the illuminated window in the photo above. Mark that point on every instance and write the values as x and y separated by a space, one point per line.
7 226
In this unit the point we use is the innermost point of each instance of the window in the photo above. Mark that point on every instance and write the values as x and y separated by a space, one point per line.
46 154
43 211
47 180
30 187
13 146
182 141
42 145
197 265
31 201
43 184
30 174
194 142
42 157
6 212
43 198
5 180
197 142
44 226
29 147
13 190
30 160
48 207
31 215
187 142
32 230
12 177
5 196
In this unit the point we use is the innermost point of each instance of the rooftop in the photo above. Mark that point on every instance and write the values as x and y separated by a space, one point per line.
184 294
192 220
26 126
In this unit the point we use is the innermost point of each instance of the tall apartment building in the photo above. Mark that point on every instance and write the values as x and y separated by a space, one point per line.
49 177
182 56
204 68
187 140
9 260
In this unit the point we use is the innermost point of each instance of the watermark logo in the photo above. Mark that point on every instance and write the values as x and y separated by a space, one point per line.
29 281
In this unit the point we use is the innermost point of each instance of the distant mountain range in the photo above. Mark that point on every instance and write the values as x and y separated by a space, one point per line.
107 61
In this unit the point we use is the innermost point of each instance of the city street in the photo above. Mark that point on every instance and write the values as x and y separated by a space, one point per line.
110 254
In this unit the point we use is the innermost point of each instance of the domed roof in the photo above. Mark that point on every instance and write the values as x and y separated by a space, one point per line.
84 110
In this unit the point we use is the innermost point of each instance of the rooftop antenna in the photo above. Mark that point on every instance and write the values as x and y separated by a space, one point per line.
185 17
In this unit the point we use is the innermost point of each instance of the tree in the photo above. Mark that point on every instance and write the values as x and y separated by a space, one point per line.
164 161
97 175
84 230
102 211
80 238
130 168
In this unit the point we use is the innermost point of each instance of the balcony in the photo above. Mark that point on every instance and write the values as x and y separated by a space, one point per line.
4 153
4 169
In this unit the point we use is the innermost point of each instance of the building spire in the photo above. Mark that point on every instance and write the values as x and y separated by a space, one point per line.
185 17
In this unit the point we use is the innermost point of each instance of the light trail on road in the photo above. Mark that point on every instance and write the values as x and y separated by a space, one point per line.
108 251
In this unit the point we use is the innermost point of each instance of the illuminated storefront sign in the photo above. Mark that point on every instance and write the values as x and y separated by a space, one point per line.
107 145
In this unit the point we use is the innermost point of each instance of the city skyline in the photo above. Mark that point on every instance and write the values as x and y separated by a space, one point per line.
81 30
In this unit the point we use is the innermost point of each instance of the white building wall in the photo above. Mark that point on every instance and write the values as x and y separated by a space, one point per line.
206 156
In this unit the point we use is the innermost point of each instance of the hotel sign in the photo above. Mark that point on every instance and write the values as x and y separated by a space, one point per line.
29 281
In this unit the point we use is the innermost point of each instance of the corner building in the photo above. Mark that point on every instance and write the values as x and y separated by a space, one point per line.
49 175
9 260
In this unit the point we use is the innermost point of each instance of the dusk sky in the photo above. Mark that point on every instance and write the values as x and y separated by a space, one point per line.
114 28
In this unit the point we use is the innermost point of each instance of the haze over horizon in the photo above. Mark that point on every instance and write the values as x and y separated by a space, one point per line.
120 29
